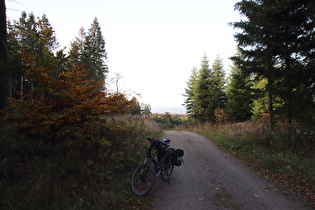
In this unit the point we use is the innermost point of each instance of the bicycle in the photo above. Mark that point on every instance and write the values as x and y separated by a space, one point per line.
144 176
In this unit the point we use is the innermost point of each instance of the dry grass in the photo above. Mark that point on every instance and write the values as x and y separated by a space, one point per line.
285 155
34 175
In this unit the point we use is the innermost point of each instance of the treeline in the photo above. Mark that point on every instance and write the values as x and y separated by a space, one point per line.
273 71
52 92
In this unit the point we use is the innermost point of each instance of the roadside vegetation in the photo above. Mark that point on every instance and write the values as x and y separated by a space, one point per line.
35 173
169 121
283 156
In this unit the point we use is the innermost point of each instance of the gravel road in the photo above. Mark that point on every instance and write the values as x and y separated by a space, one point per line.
212 179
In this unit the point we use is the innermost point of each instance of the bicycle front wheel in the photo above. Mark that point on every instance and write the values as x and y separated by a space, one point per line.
167 167
143 179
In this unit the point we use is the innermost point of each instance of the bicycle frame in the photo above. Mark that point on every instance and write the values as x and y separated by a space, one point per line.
149 159
144 176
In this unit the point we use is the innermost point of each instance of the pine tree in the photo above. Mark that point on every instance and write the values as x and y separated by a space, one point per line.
88 50
217 87
277 42
94 53
204 110
205 92
239 96
191 94
34 37
76 49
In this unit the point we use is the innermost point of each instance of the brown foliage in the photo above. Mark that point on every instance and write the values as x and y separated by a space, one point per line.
61 105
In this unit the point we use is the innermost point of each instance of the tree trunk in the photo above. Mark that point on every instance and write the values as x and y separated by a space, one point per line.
270 105
4 72
3 30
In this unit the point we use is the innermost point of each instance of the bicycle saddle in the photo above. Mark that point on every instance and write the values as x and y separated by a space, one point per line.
166 140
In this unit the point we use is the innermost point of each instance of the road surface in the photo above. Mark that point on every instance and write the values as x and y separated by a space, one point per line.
212 179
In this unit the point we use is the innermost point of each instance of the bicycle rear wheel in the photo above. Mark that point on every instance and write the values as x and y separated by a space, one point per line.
143 179
167 167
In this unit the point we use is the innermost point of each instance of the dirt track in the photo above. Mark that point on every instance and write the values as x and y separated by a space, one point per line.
212 179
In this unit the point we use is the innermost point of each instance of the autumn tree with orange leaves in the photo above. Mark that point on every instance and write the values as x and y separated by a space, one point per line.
51 98
64 106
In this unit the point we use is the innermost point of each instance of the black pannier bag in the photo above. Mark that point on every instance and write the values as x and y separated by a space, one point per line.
177 157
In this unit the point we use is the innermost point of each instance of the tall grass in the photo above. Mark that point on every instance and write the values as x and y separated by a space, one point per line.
285 155
35 174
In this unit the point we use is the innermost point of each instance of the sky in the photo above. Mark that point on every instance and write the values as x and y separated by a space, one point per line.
152 44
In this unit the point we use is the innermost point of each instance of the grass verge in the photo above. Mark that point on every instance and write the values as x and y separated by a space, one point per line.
285 160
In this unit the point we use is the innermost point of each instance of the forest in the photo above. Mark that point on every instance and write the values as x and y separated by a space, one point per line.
69 142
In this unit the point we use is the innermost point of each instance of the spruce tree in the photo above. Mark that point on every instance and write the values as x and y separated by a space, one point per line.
191 94
88 50
204 110
94 53
205 92
30 36
76 50
217 87
277 42
239 96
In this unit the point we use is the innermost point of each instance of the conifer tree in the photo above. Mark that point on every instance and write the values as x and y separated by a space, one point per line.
217 86
94 53
191 94
204 111
239 96
205 92
76 50
33 37
277 42
88 50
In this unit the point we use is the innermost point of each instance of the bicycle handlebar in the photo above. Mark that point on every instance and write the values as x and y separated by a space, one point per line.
150 139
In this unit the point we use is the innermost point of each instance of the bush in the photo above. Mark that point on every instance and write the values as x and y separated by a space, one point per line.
169 120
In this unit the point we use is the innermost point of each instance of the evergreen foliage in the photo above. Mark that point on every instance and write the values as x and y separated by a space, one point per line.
277 42
206 90
89 50
203 96
239 96
29 36
191 94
